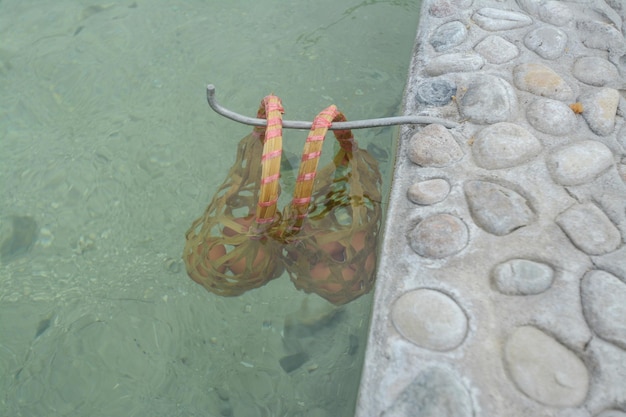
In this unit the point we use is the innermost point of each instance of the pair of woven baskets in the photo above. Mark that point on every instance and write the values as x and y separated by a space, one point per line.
325 238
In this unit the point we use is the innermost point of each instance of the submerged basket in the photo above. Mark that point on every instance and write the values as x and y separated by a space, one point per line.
228 250
332 232
326 238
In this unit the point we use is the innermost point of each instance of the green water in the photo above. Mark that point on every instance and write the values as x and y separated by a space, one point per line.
109 151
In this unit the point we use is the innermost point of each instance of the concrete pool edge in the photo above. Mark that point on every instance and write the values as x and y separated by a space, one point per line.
502 279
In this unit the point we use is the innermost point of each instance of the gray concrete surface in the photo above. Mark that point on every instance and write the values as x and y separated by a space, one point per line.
502 284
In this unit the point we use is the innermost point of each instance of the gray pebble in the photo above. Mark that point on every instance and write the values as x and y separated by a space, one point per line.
554 12
522 277
603 296
488 99
496 19
496 209
496 50
430 319
599 35
579 162
547 42
461 62
595 71
439 236
504 145
448 36
429 191
551 116
435 91
589 229
434 146
544 369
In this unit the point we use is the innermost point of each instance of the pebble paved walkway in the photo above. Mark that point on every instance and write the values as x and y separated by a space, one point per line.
502 284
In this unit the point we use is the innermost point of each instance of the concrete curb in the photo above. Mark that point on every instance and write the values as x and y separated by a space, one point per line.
502 280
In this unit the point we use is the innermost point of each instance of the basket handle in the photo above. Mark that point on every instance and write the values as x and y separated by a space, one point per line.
310 159
272 137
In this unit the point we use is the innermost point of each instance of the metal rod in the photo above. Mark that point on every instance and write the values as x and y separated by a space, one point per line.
358 124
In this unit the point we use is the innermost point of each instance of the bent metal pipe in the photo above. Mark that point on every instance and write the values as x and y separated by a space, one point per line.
357 124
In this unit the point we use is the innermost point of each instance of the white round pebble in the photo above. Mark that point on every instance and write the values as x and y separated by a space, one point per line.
439 236
497 19
434 146
589 229
522 277
579 162
544 369
546 41
448 36
595 71
555 12
461 62
600 35
429 191
497 209
504 145
488 99
551 116
430 319
603 296
496 50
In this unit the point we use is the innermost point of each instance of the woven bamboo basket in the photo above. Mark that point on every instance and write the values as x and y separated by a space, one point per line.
331 226
228 249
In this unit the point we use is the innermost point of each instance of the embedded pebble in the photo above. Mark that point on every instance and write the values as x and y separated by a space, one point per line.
429 191
430 319
435 392
448 36
435 91
434 146
542 81
589 229
551 116
554 12
522 277
547 42
612 262
504 145
600 35
461 62
496 19
443 8
439 236
488 99
544 369
600 108
496 50
603 296
595 71
579 162
497 209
